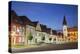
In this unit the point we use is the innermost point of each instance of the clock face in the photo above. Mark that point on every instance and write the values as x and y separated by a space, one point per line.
64 29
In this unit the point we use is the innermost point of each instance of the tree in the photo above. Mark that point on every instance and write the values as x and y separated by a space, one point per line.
30 37
43 38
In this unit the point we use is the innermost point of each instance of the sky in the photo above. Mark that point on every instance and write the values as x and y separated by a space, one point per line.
48 14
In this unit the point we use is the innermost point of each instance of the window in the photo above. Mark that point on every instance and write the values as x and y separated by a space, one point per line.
64 29
54 39
13 28
40 34
50 39
20 30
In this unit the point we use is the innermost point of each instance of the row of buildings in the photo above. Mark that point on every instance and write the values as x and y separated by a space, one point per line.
23 31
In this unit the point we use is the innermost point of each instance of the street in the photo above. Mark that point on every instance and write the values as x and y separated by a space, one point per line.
47 47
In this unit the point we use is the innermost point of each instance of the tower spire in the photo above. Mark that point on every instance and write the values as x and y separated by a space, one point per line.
64 21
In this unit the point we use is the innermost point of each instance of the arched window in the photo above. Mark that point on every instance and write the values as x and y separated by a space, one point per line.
54 39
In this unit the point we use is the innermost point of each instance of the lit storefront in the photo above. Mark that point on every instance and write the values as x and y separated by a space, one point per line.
17 35
73 34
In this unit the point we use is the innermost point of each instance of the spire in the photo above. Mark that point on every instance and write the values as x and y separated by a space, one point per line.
64 21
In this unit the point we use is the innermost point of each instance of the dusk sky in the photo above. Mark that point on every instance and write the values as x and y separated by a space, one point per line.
50 15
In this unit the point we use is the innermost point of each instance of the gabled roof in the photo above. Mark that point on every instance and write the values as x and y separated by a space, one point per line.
13 13
60 34
54 32
48 30
64 21
43 28
13 17
25 20
73 29
34 23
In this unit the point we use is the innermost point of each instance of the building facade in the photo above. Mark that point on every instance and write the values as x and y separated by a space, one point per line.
23 31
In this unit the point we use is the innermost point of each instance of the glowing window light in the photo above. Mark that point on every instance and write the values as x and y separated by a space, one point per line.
13 33
17 30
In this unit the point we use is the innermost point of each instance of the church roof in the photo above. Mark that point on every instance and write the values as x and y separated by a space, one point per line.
64 21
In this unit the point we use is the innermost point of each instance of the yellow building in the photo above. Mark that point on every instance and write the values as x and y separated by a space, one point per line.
73 34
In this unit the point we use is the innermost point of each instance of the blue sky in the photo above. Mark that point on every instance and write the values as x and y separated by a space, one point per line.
50 15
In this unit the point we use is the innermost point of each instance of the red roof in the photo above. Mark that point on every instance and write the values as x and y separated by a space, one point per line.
72 29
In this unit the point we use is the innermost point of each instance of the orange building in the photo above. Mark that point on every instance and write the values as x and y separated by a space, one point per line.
73 34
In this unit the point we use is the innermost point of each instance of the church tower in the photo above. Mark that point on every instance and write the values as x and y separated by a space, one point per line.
65 27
